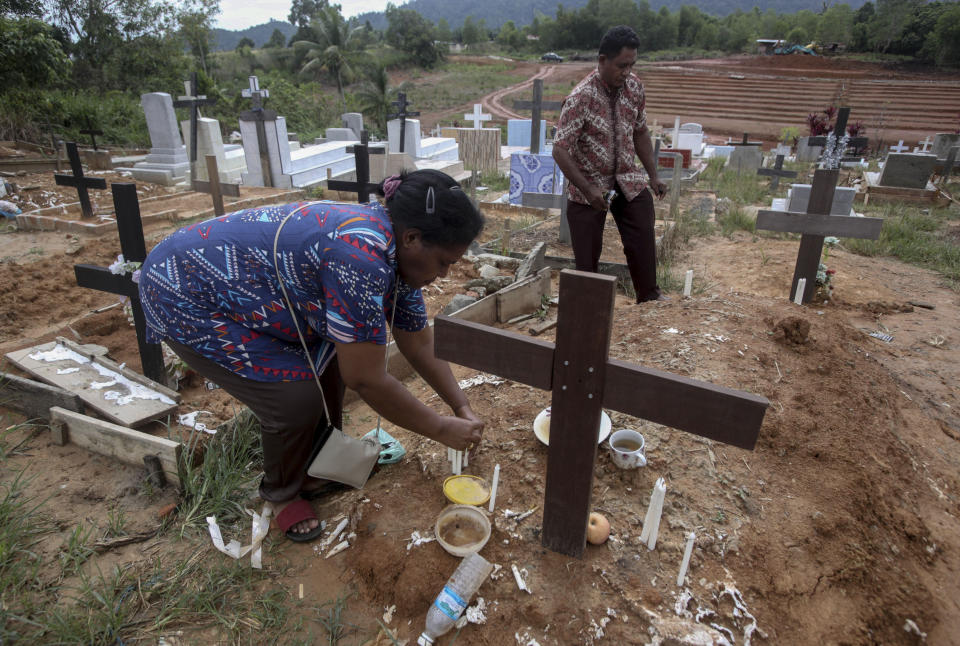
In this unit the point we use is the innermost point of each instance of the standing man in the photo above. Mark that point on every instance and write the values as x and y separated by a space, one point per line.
603 124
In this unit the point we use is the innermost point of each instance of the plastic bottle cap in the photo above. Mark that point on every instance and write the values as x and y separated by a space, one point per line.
466 490
424 640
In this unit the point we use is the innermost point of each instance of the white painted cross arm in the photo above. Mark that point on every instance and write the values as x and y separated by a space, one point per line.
477 116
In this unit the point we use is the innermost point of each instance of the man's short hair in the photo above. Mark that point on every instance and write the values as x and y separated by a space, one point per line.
617 38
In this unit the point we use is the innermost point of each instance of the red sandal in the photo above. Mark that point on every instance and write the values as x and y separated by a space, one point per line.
296 512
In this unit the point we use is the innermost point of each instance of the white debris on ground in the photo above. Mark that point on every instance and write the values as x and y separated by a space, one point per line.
741 618
479 379
416 539
190 421
388 613
476 614
525 639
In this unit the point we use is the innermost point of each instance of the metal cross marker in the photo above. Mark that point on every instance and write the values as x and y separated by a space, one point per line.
552 201
776 172
78 181
93 132
134 249
815 225
477 116
362 186
402 114
899 148
536 106
193 102
584 379
260 115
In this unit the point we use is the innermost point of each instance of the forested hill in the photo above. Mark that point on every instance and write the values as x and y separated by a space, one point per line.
522 12
224 39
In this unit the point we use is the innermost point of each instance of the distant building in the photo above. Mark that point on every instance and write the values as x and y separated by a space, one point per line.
766 46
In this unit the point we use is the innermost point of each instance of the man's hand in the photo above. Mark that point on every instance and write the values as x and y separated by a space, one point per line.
595 196
659 188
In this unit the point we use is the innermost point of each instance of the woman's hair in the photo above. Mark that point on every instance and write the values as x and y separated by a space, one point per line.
616 39
435 204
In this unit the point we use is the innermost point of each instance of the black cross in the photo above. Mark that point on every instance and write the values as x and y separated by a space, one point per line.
402 114
260 115
79 181
839 130
134 250
362 186
536 106
745 142
193 102
816 224
93 132
776 172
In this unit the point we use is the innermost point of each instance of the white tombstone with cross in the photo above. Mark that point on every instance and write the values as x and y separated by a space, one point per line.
477 116
899 148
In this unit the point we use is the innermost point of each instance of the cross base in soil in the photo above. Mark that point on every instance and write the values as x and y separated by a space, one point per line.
583 379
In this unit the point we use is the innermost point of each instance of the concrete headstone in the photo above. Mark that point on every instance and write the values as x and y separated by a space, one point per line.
806 152
168 162
341 134
799 197
411 134
518 132
907 170
745 159
353 121
231 161
943 142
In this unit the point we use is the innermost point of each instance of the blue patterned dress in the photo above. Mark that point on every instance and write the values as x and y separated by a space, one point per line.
212 286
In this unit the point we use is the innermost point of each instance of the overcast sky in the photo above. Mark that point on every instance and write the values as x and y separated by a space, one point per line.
240 14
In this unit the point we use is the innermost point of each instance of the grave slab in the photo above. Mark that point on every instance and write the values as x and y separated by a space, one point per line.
798 197
745 159
907 170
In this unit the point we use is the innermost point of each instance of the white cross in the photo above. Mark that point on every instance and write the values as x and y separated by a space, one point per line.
926 144
899 148
255 89
477 116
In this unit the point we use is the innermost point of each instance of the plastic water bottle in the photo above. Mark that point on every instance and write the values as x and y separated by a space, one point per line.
454 598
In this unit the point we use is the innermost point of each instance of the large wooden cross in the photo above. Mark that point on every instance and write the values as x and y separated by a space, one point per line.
78 181
552 201
213 187
92 131
402 114
536 107
193 101
362 186
134 249
584 379
744 142
477 116
260 115
776 172
815 225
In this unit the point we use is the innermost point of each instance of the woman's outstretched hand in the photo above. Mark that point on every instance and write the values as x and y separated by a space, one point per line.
460 433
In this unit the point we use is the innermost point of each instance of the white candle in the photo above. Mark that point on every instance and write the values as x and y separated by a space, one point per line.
686 558
466 458
456 462
688 283
493 489
651 523
801 288
450 456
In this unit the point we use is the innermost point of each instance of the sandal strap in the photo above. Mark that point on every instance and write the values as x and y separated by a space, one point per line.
297 511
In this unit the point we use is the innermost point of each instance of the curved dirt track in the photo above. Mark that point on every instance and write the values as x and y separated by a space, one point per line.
494 101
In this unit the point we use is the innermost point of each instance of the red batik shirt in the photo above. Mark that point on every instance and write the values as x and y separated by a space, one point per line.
596 127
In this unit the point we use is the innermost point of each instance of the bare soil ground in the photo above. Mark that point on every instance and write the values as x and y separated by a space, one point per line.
841 527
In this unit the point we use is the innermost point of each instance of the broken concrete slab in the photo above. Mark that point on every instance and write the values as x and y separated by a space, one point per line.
534 262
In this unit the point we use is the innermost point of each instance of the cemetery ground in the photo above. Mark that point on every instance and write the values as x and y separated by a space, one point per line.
840 527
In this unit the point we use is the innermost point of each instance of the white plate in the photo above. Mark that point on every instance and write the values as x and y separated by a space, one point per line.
541 427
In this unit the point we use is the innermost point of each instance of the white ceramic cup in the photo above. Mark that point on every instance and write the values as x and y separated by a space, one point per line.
626 447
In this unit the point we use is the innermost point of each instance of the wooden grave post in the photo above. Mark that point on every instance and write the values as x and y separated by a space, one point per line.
214 187
583 379
835 137
362 186
260 115
402 114
745 141
193 101
78 181
776 172
815 225
93 132
134 249
536 107
552 201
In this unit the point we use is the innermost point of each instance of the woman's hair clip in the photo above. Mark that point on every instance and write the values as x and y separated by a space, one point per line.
431 202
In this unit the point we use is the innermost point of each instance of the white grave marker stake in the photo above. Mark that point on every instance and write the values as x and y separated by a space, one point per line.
686 558
466 458
801 287
651 523
493 489
688 283
457 457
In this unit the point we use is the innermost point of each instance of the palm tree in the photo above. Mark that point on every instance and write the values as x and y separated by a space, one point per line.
334 49
376 93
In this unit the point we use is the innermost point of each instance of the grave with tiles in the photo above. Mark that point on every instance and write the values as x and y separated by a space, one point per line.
167 162
537 126
584 379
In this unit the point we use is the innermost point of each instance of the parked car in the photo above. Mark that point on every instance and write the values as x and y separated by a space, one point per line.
552 57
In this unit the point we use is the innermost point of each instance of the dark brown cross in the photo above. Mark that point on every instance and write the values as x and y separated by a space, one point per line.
552 201
815 225
134 249
776 172
213 187
839 130
745 142
193 102
536 107
402 114
362 186
93 132
78 181
583 379
260 115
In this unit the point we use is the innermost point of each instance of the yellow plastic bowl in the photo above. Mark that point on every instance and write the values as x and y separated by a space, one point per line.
466 490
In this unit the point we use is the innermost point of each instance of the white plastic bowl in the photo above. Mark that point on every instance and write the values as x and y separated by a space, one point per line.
541 427
462 529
